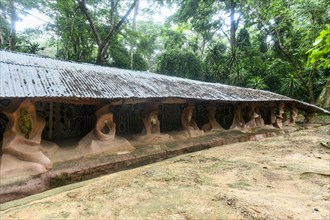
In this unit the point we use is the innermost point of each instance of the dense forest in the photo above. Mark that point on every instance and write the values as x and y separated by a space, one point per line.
277 45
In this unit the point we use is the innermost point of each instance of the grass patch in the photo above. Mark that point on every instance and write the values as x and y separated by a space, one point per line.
242 184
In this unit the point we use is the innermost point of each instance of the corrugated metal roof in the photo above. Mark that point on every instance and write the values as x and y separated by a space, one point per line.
24 75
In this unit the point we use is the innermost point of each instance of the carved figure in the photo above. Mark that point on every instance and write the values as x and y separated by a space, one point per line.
151 123
252 116
212 124
291 121
188 124
279 117
24 153
238 121
259 120
272 114
255 118
186 119
308 117
105 128
151 130
25 123
294 115
103 137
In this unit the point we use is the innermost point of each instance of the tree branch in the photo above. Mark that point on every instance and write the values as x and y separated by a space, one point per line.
84 10
226 35
276 39
112 12
118 25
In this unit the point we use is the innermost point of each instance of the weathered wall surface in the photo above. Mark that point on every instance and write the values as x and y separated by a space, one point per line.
67 120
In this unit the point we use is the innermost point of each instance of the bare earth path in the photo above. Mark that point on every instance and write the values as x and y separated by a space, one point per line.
285 177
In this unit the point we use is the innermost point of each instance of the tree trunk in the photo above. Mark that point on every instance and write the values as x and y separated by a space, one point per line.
136 9
324 98
13 18
310 86
233 25
2 39
100 55
103 44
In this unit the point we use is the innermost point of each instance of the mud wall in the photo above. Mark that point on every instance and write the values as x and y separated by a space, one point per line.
225 114
170 117
200 113
3 123
67 120
3 118
127 118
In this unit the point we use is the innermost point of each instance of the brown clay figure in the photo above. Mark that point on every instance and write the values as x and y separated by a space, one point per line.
151 123
23 149
238 121
188 123
212 124
103 137
279 116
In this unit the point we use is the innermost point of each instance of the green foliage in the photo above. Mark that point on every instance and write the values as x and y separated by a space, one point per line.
119 56
215 64
320 53
180 63
256 82
173 38
291 85
243 40
257 44
148 43
76 42
4 32
139 63
11 12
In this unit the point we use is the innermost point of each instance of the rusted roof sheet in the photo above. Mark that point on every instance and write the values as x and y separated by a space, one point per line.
24 75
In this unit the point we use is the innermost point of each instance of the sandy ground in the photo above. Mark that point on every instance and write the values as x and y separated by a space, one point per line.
284 177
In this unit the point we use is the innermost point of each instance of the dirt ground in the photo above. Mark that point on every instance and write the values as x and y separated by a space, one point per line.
284 177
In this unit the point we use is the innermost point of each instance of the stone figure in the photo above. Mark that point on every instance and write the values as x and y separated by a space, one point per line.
279 116
294 115
308 117
255 118
252 118
259 120
291 121
188 124
212 124
238 121
272 114
151 123
24 153
151 126
105 127
186 118
103 137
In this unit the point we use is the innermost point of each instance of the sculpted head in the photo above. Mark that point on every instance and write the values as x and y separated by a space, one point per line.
189 115
153 119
